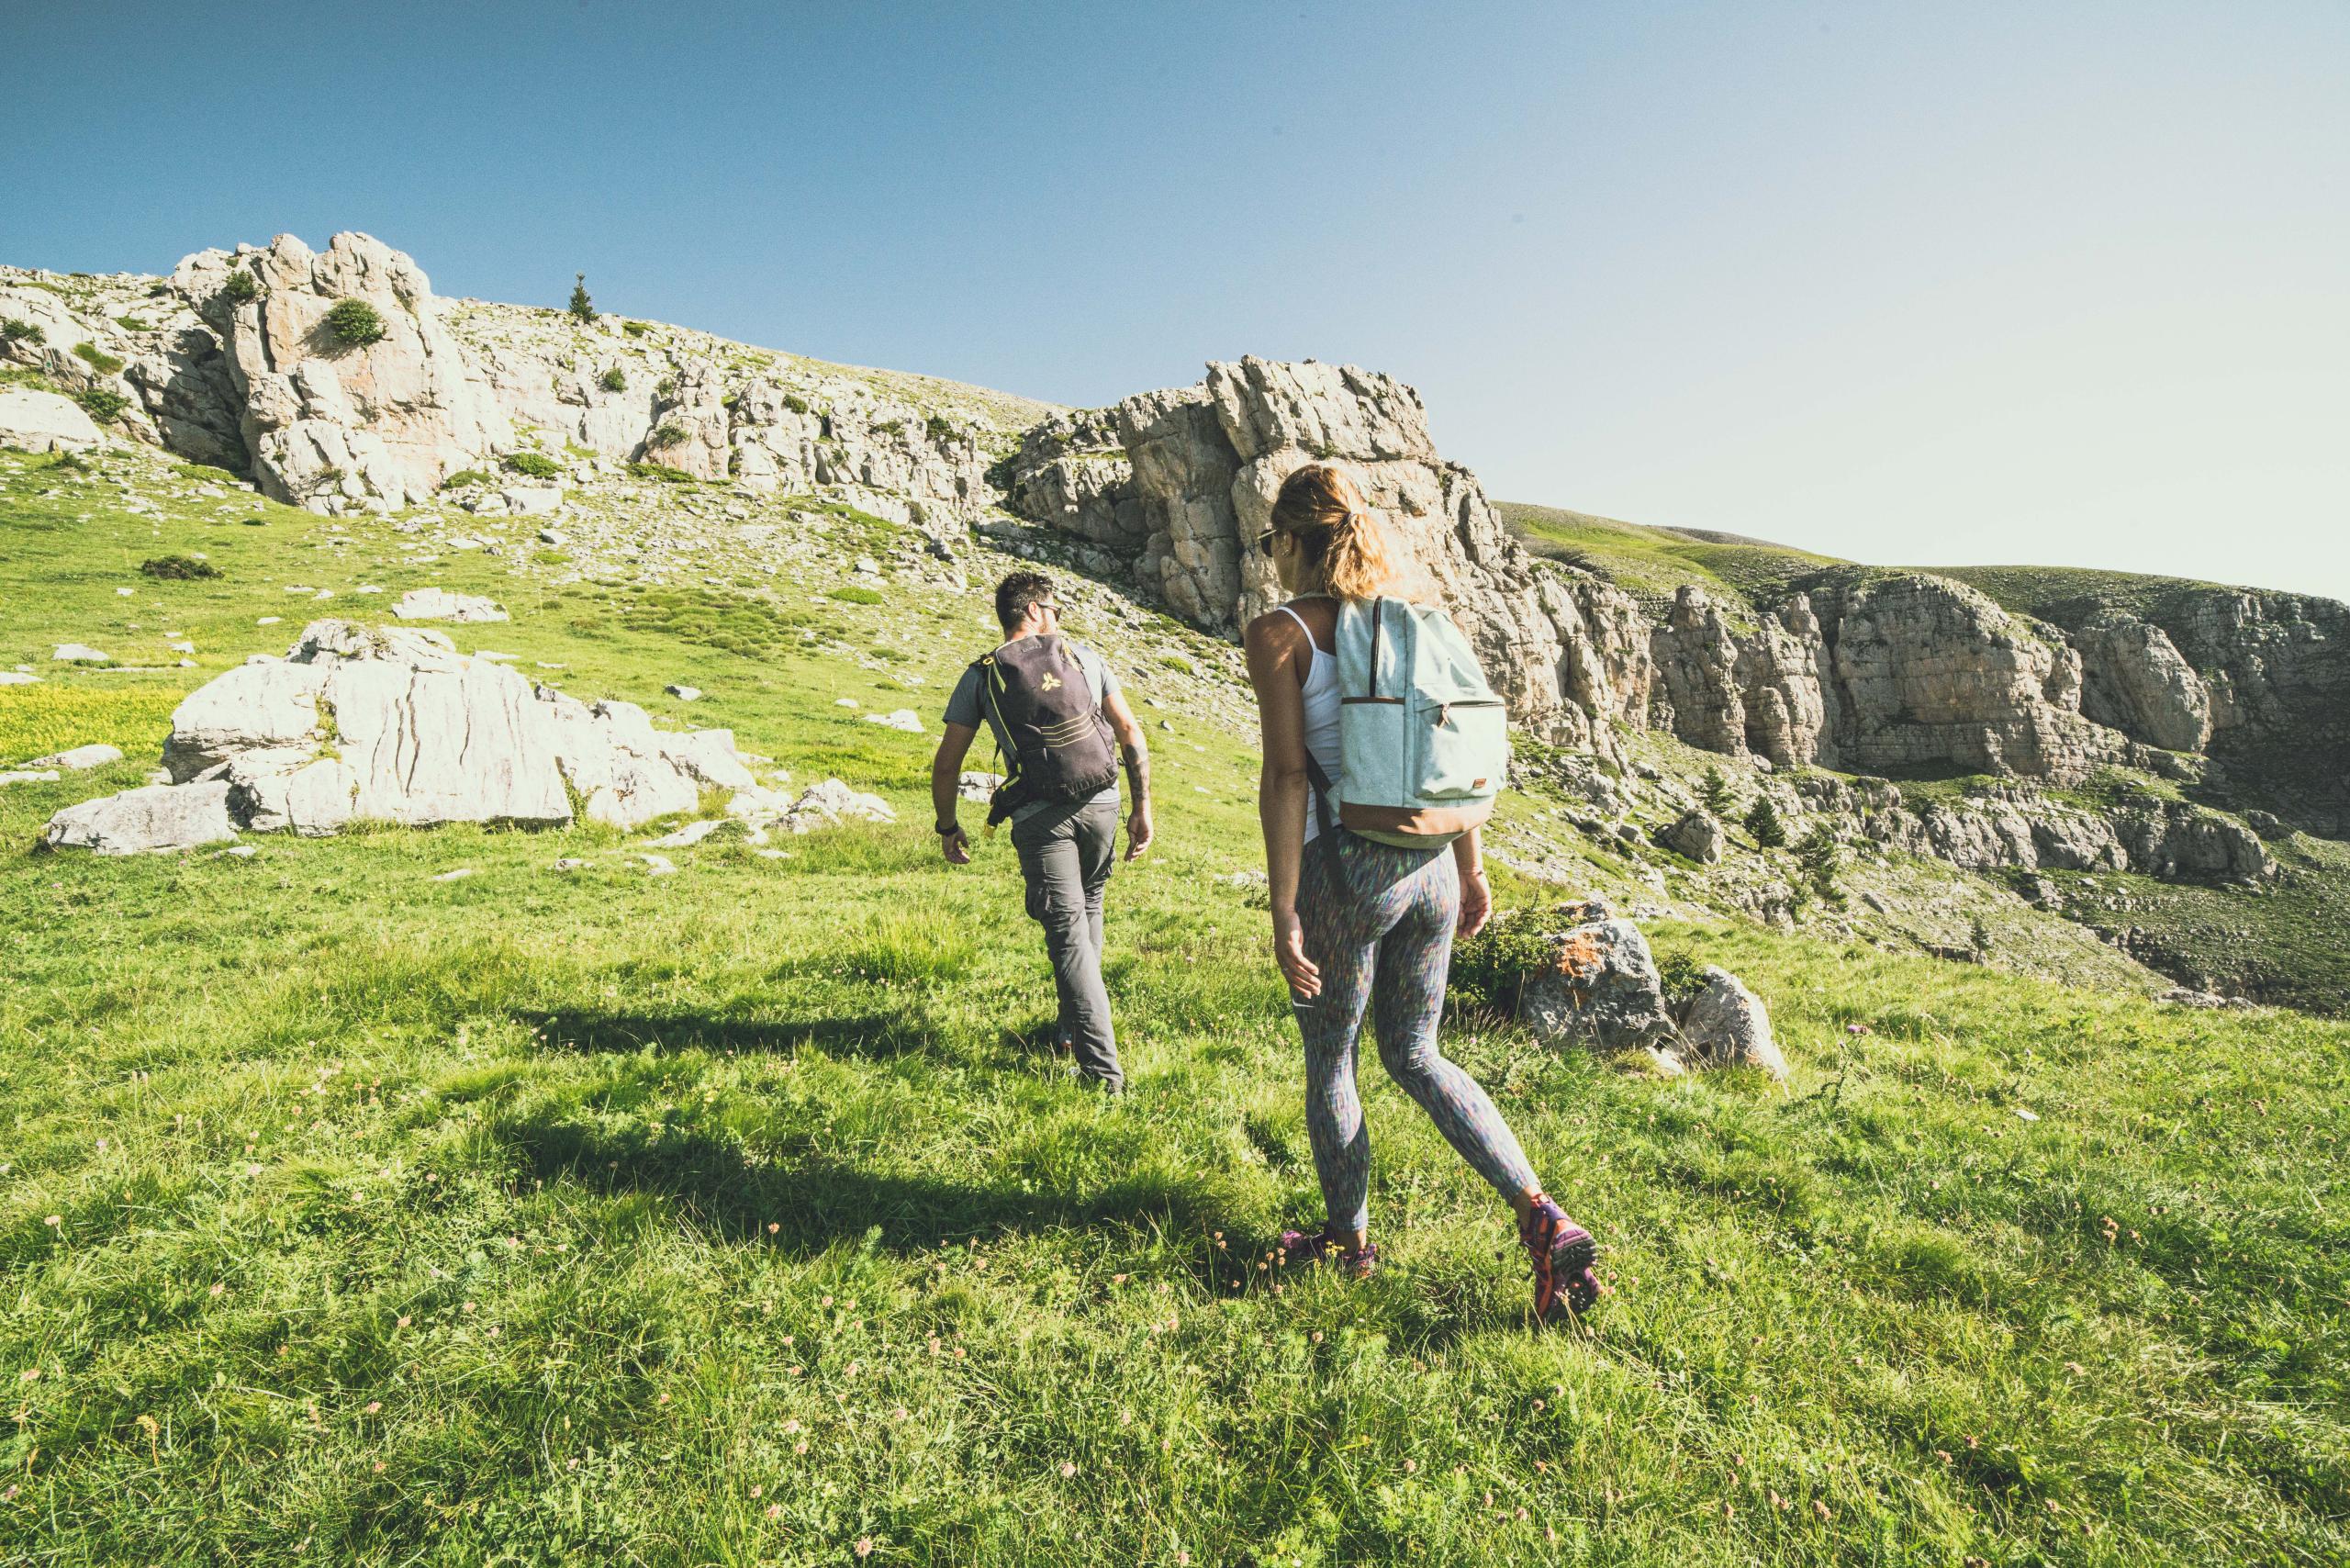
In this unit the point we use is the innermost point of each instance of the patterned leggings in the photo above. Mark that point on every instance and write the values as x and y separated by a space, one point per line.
1379 926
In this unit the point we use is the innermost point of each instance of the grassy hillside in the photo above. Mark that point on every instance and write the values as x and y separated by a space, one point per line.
728 1217
1655 563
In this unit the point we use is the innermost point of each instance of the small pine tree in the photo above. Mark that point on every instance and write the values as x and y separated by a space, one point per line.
583 309
1763 821
240 287
1978 938
1715 793
1820 856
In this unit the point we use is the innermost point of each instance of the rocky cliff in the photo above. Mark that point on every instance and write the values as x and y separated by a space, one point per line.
245 360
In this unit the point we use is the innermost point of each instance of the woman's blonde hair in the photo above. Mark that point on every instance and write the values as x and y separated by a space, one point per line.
1340 533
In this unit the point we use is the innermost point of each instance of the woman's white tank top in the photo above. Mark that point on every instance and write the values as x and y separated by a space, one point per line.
1321 718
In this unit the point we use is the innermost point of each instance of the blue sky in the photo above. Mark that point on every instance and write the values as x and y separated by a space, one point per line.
1912 284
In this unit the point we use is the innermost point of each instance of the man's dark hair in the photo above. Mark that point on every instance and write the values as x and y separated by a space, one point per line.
1016 593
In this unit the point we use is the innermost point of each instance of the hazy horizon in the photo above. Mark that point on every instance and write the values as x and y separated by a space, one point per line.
2001 286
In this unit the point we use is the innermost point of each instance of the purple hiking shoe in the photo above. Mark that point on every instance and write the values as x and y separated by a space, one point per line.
1562 1254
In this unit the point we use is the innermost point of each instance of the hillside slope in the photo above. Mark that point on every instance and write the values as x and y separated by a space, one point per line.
357 1210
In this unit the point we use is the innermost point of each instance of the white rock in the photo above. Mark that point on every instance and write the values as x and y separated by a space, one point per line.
532 500
459 874
687 836
125 593
904 719
569 863
1726 1023
44 421
17 678
440 604
659 866
157 818
832 803
845 702
971 786
269 620
29 775
239 851
79 654
81 758
683 693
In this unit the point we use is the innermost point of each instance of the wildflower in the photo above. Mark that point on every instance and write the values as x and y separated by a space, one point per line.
54 1221
1411 1467
404 1320
1537 1407
758 1491
31 1374
1117 1278
865 1546
663 1400
1067 1469
217 1288
1317 1336
800 1447
775 1510
773 1227
375 1407
790 1427
1820 1508
899 1414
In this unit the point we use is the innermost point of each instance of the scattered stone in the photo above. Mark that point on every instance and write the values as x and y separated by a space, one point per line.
688 835
1726 1023
440 604
1601 986
659 866
969 786
155 819
27 775
684 693
459 874
18 678
79 654
904 719
80 759
1696 836
830 803
845 702
237 852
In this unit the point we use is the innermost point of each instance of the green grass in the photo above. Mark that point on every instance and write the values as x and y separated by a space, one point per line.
1653 564
543 1216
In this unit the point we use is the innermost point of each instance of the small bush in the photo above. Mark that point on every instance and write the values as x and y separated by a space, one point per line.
464 476
582 308
796 403
636 329
891 427
241 288
179 568
850 593
614 379
102 405
660 471
17 331
533 464
97 359
666 386
131 323
940 429
1489 968
666 437
354 323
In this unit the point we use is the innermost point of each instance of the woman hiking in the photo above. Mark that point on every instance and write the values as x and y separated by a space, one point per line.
1363 923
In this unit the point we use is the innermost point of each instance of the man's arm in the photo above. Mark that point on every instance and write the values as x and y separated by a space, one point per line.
946 789
1134 750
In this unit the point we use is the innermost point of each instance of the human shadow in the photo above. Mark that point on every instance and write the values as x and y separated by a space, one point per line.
874 1034
804 1199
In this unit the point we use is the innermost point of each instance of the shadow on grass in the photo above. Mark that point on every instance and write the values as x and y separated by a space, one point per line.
876 1035
805 1201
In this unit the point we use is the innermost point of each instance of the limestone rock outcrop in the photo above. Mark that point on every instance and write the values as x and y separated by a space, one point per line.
44 421
392 725
1601 986
331 423
154 820
1726 1024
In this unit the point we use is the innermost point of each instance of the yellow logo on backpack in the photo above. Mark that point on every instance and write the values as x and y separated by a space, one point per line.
1050 683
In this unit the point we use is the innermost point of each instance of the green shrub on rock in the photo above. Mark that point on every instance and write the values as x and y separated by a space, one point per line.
533 464
178 569
667 436
102 405
660 471
17 331
614 380
241 287
462 477
97 359
354 323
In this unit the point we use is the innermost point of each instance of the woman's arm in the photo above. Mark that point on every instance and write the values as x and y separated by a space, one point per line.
1476 898
1275 643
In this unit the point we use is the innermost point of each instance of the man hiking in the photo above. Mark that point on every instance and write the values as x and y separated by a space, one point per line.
1053 706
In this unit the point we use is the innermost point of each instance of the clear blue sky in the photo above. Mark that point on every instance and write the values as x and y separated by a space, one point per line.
1926 284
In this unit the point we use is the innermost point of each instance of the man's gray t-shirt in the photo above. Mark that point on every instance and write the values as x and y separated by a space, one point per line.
967 708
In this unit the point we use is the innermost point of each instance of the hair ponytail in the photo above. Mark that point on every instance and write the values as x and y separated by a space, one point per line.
1340 533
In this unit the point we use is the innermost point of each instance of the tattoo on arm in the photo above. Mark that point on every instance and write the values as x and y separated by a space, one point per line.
1137 755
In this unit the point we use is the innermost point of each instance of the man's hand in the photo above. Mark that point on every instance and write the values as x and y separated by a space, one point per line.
956 847
1476 902
1288 952
1138 831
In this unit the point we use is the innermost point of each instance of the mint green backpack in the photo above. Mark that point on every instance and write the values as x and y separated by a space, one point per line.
1423 741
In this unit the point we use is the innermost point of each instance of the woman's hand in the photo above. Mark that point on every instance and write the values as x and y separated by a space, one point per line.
1476 901
1288 952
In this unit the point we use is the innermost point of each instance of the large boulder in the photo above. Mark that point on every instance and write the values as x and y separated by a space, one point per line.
1725 1024
43 421
158 818
1695 834
1600 986
333 425
440 604
393 725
